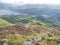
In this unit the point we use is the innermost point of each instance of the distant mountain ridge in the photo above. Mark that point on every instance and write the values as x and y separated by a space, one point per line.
49 14
6 8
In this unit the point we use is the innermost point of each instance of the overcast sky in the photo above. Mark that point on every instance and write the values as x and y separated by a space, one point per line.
31 1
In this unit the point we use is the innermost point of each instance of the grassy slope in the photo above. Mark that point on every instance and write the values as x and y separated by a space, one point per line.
4 22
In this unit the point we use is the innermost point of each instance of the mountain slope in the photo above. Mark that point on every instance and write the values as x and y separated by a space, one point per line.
19 33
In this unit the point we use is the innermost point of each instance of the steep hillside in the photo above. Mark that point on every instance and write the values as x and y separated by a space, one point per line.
4 22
